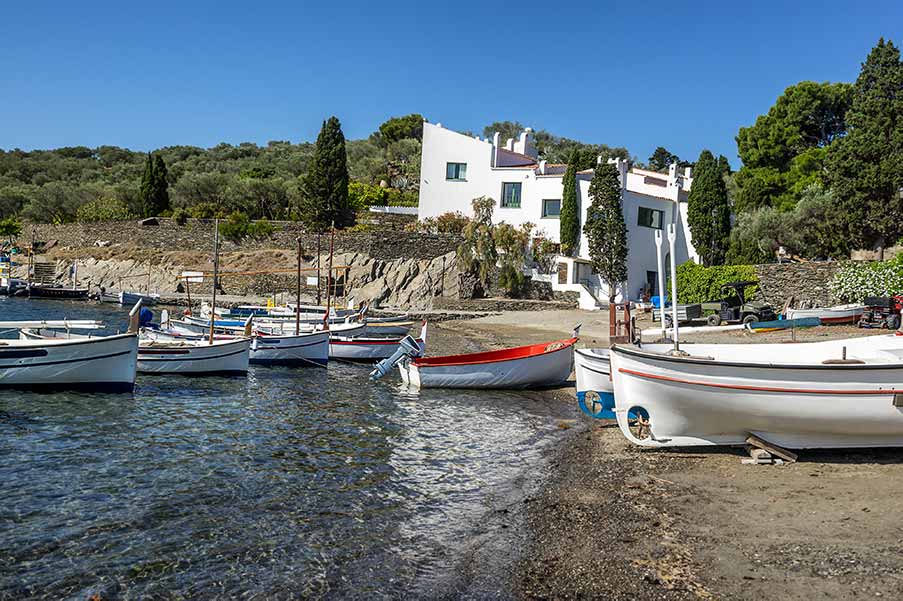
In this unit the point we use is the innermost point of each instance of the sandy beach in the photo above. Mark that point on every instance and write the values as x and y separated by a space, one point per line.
611 520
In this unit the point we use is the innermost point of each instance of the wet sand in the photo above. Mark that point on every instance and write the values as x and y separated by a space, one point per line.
610 520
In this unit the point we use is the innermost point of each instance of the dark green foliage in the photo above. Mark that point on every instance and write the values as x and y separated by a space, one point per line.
477 254
238 227
400 128
605 229
561 150
569 221
698 284
103 209
154 191
784 152
512 243
361 196
661 159
507 129
324 194
708 211
866 166
10 228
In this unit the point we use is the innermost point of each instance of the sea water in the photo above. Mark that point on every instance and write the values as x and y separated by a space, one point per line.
290 482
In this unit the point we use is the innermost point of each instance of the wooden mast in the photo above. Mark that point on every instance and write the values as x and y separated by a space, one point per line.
215 274
298 294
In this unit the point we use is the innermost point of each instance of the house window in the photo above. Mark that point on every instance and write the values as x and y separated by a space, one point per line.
456 171
511 195
650 218
551 208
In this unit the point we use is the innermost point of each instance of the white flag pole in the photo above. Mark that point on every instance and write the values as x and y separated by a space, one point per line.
672 237
661 279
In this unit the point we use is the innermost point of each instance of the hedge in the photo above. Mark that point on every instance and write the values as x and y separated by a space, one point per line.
698 284
854 281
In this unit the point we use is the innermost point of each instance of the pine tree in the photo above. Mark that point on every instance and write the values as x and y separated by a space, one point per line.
605 229
708 210
325 188
147 186
161 187
569 220
866 166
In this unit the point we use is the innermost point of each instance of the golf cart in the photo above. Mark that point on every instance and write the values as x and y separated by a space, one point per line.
734 308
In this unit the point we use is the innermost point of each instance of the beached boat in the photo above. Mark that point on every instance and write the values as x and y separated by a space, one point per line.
129 298
832 394
288 349
830 315
367 348
102 363
182 357
595 392
46 291
533 366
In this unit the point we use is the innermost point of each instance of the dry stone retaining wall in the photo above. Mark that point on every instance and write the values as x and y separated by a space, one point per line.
807 283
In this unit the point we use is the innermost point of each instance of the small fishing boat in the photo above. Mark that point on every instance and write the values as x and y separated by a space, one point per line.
830 315
595 393
102 363
533 366
179 357
129 298
47 291
367 348
831 394
288 349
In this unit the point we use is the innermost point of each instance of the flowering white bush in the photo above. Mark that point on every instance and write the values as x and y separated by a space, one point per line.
855 281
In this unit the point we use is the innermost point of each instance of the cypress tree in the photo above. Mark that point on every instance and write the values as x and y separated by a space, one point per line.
146 193
605 229
569 220
865 167
708 210
161 187
325 188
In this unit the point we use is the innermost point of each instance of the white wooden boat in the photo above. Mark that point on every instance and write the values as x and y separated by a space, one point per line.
832 394
595 392
533 366
367 348
183 357
830 315
280 349
103 363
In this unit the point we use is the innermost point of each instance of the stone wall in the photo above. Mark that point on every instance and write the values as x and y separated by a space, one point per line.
806 283
197 234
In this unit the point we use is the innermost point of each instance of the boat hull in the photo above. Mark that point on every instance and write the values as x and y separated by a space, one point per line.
365 349
302 350
106 364
595 392
195 359
538 371
698 401
830 315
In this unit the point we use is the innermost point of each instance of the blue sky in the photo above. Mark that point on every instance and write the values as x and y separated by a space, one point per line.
626 74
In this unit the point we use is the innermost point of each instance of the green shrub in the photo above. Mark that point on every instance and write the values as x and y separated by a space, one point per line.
180 216
103 209
238 227
362 196
206 210
10 228
854 281
446 223
400 198
361 227
698 284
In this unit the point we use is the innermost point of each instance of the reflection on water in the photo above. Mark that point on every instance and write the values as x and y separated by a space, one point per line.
285 483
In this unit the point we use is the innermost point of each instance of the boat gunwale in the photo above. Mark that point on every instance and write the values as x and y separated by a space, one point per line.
698 361
499 356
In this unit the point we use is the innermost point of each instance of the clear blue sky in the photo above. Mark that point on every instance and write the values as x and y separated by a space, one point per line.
622 73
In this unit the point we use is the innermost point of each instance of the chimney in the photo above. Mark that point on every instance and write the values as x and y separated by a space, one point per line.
496 138
542 167
687 172
524 144
621 166
509 144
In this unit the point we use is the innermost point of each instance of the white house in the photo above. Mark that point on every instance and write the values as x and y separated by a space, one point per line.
456 168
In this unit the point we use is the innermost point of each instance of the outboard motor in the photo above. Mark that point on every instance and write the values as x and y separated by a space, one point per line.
407 348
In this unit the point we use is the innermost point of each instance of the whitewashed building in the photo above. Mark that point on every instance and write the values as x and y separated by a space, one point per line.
456 168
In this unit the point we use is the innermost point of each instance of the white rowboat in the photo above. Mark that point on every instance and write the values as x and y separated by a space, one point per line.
830 315
832 394
532 366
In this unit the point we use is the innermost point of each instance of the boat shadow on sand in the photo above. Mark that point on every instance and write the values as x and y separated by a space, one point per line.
878 455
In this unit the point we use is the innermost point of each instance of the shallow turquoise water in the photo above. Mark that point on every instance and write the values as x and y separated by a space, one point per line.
287 483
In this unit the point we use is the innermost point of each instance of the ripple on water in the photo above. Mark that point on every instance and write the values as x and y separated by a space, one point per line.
301 482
